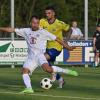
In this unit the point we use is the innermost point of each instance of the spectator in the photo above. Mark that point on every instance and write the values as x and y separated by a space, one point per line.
76 32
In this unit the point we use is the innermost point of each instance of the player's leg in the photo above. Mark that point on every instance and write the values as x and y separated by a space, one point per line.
27 81
48 57
97 52
51 55
28 67
56 69
53 69
60 80
96 58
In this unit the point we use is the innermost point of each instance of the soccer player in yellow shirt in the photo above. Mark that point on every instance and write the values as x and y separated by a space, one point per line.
56 27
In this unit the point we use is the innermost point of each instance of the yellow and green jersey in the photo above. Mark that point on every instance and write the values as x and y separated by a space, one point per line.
55 28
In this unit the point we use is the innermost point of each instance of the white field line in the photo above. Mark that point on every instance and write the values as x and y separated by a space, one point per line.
16 86
53 96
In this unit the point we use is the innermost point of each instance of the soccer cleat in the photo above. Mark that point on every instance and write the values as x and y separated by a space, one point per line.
74 73
27 90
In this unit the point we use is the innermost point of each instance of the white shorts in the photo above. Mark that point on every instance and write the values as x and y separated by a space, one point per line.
32 63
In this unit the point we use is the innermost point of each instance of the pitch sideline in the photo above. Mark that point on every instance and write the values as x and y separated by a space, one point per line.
52 96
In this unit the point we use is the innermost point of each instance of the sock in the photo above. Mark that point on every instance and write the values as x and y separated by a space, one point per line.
61 81
27 80
60 70
96 63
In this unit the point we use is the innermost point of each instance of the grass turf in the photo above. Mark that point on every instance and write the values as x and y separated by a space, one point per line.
84 87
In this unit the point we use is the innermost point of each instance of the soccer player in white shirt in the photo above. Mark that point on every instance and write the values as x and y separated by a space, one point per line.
36 39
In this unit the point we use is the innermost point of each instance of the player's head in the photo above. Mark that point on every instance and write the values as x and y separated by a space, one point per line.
50 12
34 22
74 23
98 27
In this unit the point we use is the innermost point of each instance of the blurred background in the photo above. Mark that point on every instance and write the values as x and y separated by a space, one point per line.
67 10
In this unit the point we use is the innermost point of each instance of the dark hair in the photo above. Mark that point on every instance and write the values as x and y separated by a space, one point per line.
34 16
50 8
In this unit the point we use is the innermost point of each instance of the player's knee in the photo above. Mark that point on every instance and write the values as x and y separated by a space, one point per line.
47 68
25 71
50 70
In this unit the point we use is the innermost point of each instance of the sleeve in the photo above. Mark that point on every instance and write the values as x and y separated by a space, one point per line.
65 26
49 36
20 32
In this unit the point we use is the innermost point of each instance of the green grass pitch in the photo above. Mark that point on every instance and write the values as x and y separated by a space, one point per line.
84 87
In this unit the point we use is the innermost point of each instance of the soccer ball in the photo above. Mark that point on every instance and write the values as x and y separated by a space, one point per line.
46 83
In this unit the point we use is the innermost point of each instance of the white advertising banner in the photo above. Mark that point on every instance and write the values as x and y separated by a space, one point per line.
13 52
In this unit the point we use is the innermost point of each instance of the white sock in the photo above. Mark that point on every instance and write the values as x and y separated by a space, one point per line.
96 63
27 80
60 82
61 79
60 70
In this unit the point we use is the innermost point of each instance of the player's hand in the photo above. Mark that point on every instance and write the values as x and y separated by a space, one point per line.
71 48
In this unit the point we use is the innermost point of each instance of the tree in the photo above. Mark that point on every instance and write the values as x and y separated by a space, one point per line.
67 10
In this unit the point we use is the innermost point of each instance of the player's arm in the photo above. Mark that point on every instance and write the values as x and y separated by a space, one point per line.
51 36
65 45
8 29
67 34
19 32
67 31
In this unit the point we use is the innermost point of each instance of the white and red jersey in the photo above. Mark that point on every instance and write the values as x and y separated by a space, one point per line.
36 40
